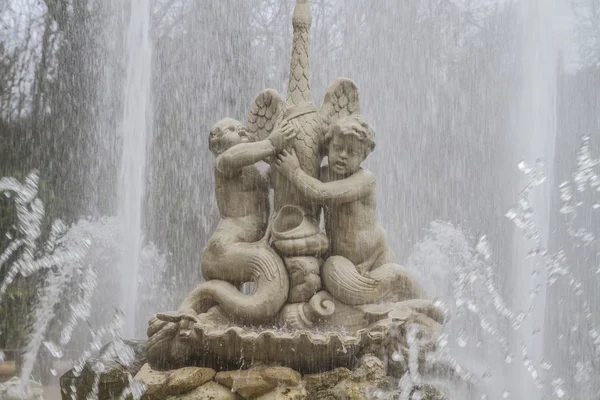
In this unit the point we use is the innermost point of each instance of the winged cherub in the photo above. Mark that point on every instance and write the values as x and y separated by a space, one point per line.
362 268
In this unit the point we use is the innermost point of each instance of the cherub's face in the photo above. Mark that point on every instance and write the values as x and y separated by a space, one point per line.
228 133
345 153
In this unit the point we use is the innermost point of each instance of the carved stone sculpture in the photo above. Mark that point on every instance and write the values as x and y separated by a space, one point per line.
235 253
320 299
268 110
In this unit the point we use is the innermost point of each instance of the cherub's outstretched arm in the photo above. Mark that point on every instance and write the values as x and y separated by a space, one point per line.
242 155
356 186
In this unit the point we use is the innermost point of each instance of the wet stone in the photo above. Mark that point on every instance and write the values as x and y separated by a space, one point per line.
281 376
208 391
284 393
370 368
247 384
111 383
325 380
344 390
155 382
185 379
113 380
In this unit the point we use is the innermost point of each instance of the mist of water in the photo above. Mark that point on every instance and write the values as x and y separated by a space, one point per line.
136 128
536 130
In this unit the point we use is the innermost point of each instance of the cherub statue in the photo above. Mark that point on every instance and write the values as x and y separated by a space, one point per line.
365 289
236 252
362 268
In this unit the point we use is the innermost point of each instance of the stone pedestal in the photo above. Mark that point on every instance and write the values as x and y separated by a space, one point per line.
366 380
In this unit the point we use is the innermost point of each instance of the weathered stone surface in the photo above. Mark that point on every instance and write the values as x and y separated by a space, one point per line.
155 382
113 379
354 390
185 379
345 390
281 376
430 393
366 381
283 393
139 353
247 384
318 382
370 369
111 383
208 391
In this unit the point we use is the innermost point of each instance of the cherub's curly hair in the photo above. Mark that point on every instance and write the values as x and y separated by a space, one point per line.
356 125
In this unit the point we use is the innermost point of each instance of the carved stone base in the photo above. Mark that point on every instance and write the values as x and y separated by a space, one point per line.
367 380
364 380
307 343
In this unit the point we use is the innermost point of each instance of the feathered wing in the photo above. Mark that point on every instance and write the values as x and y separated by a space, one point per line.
266 111
341 100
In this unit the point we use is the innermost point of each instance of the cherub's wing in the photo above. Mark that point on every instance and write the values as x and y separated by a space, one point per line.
340 101
266 110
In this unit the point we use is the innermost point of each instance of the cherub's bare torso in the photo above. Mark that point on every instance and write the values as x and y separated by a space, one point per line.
355 233
243 201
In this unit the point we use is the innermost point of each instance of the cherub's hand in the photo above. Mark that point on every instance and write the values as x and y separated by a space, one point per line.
286 162
282 135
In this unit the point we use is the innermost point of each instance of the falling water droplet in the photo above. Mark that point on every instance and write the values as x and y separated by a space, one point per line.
54 349
509 358
558 390
53 372
574 328
505 394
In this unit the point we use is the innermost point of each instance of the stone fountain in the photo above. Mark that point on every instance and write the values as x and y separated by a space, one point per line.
328 314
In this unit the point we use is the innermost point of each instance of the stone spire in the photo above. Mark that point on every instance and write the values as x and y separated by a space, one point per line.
299 84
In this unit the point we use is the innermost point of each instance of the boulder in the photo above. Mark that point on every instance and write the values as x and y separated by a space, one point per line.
248 383
188 378
284 393
114 376
325 380
370 369
208 391
281 376
111 383
155 382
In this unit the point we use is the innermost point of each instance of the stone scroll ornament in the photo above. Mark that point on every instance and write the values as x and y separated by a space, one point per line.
312 294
